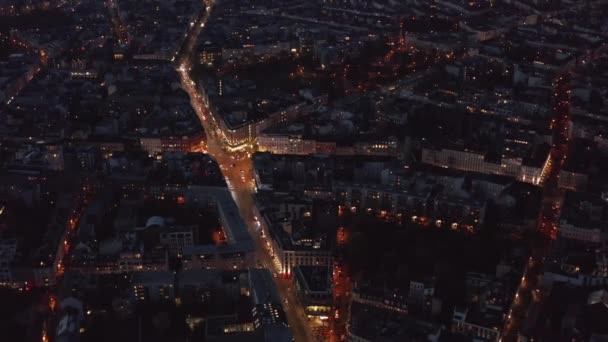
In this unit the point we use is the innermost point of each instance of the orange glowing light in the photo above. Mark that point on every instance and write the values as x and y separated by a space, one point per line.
52 303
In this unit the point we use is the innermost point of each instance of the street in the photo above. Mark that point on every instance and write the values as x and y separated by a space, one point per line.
529 290
237 170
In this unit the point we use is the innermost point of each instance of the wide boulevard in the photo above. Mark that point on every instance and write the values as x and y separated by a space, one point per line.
237 170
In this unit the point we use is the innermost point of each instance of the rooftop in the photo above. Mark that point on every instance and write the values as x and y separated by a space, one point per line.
372 323
584 210
314 278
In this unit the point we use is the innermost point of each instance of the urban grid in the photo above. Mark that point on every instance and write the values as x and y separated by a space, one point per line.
303 170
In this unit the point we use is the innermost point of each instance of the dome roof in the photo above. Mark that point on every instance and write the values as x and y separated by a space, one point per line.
155 221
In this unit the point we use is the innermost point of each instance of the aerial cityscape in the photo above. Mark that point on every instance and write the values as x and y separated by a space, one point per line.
303 170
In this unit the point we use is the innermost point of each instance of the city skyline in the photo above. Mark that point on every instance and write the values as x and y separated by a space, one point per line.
328 170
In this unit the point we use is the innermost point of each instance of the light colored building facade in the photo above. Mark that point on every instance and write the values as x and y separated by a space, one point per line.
476 162
157 145
585 234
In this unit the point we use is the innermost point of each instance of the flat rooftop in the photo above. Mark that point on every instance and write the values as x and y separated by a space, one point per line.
314 278
237 235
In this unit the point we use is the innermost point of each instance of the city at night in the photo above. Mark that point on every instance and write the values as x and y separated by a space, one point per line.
303 170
